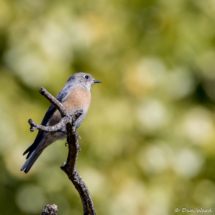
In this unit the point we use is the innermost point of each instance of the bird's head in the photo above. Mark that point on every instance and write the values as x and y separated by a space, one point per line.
84 79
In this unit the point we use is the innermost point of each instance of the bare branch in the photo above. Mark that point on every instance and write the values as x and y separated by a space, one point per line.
72 139
70 169
56 127
50 210
54 101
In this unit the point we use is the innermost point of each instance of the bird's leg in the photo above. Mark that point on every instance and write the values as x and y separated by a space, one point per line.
66 144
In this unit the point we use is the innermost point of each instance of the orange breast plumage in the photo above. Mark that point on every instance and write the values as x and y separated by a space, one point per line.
78 98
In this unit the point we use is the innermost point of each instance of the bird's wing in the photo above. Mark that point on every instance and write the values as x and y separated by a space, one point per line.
61 97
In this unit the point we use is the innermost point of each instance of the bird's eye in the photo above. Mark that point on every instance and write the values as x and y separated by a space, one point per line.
86 76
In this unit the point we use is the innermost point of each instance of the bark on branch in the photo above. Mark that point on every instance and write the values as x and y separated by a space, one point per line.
70 167
50 210
54 101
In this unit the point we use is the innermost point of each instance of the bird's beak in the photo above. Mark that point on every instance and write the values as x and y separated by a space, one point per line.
97 81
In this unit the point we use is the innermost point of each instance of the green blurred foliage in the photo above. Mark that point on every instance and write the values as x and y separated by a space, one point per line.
148 141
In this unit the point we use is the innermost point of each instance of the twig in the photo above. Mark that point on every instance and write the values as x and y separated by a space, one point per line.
72 139
56 127
70 169
50 210
54 101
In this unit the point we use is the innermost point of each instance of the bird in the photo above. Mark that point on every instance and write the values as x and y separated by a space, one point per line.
74 96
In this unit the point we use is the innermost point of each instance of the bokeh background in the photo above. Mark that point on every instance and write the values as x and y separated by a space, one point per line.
148 141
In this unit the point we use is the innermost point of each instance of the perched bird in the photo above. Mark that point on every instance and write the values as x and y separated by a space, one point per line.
74 96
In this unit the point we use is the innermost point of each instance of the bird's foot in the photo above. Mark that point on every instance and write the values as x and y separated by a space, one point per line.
66 144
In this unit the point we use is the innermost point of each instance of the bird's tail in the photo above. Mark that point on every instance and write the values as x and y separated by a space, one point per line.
30 161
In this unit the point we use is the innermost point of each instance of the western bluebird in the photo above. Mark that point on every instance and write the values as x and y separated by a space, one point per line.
74 96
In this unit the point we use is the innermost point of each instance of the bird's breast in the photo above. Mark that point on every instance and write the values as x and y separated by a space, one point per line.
78 98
